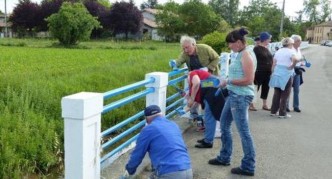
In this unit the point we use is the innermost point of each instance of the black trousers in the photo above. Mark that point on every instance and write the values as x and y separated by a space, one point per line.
279 101
262 79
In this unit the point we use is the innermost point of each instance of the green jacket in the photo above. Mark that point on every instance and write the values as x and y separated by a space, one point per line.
207 57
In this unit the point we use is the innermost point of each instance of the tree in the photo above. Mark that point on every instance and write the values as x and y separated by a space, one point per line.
125 18
326 9
98 10
227 9
47 8
199 19
25 17
72 23
169 23
149 4
258 18
310 9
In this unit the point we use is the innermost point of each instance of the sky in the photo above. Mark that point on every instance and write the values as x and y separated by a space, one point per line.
291 6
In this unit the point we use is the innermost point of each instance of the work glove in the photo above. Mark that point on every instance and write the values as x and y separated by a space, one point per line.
172 64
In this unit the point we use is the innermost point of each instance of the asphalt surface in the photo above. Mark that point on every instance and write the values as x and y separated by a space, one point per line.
299 147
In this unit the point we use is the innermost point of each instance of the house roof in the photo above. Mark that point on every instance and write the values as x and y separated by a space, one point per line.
325 24
150 23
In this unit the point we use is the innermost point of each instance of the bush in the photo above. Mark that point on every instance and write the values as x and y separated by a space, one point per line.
216 40
72 23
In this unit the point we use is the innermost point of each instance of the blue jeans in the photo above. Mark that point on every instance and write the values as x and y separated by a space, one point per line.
296 91
236 107
210 123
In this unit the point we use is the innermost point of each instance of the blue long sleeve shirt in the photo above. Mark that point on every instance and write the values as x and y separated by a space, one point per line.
162 139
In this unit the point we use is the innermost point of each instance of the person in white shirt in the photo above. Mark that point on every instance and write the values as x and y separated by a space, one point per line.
281 80
297 79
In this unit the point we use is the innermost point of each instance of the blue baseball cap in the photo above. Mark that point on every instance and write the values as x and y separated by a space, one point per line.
151 110
264 36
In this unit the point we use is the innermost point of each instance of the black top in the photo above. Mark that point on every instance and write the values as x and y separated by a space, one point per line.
216 102
264 58
194 62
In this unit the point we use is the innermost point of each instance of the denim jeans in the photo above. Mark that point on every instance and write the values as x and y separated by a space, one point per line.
296 91
210 123
236 107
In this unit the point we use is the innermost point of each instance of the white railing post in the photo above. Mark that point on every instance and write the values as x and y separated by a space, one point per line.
82 115
160 85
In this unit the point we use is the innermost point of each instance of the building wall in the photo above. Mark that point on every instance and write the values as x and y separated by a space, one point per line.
320 32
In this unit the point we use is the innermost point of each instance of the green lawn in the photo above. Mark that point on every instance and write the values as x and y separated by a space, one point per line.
36 74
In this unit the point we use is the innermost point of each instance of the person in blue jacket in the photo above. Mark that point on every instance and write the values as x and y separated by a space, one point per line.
162 139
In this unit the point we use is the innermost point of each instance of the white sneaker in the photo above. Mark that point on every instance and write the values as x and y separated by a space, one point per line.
273 115
283 117
217 134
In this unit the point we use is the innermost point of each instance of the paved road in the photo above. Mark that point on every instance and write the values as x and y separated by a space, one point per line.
296 148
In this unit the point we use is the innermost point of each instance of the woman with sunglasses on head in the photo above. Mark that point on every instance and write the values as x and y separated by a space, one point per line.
240 84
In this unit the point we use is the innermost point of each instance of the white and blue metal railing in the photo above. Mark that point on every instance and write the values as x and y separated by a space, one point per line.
117 104
177 105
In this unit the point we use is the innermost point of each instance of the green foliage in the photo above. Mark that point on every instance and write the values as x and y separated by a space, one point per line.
192 17
227 9
199 19
29 141
169 23
216 40
35 77
72 23
263 15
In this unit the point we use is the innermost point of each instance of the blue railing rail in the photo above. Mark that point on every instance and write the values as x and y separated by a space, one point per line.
117 104
174 103
176 76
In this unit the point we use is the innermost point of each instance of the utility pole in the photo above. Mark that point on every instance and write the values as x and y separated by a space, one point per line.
282 18
6 28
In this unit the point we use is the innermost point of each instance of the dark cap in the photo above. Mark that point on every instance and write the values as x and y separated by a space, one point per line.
264 36
151 110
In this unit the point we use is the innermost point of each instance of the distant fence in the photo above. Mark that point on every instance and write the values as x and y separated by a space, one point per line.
82 113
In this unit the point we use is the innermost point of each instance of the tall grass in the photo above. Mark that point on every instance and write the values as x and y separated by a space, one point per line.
35 76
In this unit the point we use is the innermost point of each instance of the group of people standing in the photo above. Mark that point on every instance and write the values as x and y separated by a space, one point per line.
162 138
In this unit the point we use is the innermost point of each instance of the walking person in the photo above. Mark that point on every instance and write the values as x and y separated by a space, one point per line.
241 92
162 139
298 78
282 77
264 67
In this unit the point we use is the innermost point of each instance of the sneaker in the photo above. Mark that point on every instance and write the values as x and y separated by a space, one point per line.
204 144
287 109
286 116
271 114
200 140
217 134
215 161
297 110
239 171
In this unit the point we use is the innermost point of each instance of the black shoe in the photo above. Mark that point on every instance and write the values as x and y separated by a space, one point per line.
204 144
297 110
200 141
239 171
287 109
215 161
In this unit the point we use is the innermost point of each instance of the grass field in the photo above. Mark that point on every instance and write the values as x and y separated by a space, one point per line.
36 74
